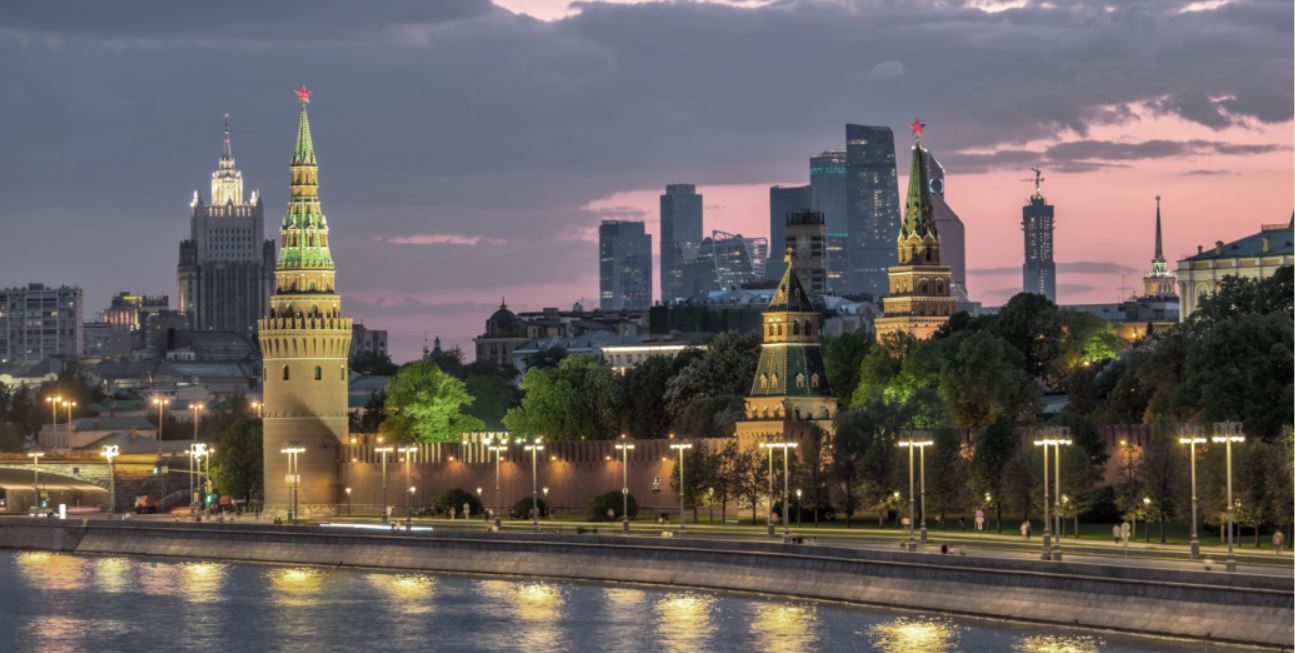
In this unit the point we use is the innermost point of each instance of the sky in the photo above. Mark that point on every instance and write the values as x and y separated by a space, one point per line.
469 149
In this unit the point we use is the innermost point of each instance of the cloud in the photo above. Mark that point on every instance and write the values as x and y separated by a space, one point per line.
441 239
888 69
620 213
1066 267
1087 150
1207 172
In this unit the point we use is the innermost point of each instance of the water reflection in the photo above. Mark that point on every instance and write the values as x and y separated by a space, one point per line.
405 593
684 621
536 606
785 627
1059 644
907 635
295 586
53 571
111 574
201 582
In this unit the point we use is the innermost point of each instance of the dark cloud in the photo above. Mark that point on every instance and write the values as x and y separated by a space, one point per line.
1067 267
1207 172
1089 150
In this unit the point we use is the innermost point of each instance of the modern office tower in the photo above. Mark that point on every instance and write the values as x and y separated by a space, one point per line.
827 181
919 302
680 236
226 270
1161 282
872 207
953 234
723 261
783 201
805 239
304 343
1039 271
39 322
624 266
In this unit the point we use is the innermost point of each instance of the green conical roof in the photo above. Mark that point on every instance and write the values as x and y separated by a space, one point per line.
304 232
919 216
790 295
305 151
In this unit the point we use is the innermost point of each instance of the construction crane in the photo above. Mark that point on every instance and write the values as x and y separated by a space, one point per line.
1038 181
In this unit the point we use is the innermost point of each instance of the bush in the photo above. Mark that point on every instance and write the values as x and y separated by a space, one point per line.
597 510
522 509
455 499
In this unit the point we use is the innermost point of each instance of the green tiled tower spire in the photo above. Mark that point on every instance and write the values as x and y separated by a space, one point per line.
304 233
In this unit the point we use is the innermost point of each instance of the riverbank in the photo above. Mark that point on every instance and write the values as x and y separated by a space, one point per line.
1215 606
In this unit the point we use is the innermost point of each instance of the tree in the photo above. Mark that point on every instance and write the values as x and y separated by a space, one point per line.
946 474
375 413
10 440
880 368
1163 477
710 417
577 399
372 362
1242 369
996 445
644 407
546 359
493 390
842 357
1237 296
697 476
984 381
814 452
425 404
1030 323
726 474
237 465
726 368
1085 339
863 455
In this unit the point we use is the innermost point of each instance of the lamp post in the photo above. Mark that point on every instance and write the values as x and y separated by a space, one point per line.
408 452
681 447
786 448
1060 442
257 406
35 467
348 501
625 446
911 442
1053 437
1146 521
109 452
53 402
768 520
69 405
1191 439
294 480
1228 433
545 491
1047 520
799 507
535 448
384 451
193 499
498 450
483 510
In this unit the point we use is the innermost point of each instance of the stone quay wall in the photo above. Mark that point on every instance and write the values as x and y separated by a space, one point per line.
1236 608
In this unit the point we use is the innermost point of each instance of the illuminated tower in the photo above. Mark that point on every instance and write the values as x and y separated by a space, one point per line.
304 341
1160 283
1039 274
919 302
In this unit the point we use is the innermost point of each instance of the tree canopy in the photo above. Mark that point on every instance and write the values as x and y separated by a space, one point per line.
425 404
577 399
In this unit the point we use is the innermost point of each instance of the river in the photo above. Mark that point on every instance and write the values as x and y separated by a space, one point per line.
64 603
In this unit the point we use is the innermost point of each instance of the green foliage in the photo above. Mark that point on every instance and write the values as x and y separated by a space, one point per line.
995 447
522 509
237 466
577 399
946 474
1030 324
1163 476
614 501
375 413
425 404
842 357
984 381
879 371
698 474
10 440
1238 296
493 390
1242 369
643 387
372 362
455 498
546 359
710 417
726 368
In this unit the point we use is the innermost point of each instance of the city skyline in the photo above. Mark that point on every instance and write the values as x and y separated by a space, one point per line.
425 226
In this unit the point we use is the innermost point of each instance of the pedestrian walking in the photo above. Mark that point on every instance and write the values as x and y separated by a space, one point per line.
1277 542
1025 529
1116 532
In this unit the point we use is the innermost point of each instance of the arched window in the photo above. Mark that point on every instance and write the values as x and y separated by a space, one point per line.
779 328
809 328
813 380
797 413
921 286
285 372
342 375
773 380
319 373
800 380
795 328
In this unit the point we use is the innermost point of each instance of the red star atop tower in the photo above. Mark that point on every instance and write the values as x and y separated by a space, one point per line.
917 126
303 94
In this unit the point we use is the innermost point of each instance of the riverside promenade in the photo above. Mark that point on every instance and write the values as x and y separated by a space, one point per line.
1243 608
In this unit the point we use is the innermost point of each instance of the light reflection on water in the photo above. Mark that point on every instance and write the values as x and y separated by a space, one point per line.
57 602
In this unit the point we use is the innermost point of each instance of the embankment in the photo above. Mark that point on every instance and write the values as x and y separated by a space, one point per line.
1238 608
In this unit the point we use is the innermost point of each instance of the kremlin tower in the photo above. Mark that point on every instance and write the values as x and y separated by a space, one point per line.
304 342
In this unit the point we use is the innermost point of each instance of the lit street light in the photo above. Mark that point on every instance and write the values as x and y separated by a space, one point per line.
408 452
70 405
1192 439
1053 437
681 447
625 446
800 508
498 450
545 490
535 448
193 496
786 454
1229 432
921 446
109 452
384 451
35 467
293 478
256 406
348 501
53 402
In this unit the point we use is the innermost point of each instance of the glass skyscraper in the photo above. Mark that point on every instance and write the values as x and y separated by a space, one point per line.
680 236
953 234
1039 272
827 180
722 262
624 266
783 202
872 208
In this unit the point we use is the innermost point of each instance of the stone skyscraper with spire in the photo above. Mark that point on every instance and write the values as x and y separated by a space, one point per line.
226 270
1161 282
304 343
919 302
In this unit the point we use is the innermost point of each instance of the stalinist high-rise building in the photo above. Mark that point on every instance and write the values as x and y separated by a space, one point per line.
304 342
225 275
919 302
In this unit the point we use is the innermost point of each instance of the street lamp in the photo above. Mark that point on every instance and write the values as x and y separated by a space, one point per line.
535 448
197 408
681 447
384 451
921 446
498 450
800 507
625 446
1192 438
786 454
1054 437
109 452
408 451
1146 520
200 456
293 478
256 406
70 405
545 490
35 483
1229 432
483 510
53 402
348 501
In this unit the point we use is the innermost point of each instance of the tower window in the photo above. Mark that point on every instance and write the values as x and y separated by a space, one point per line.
285 372
342 376
319 373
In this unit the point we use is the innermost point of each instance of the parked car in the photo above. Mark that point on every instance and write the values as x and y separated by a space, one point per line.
145 503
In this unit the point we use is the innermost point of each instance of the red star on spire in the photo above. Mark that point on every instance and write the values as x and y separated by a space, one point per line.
917 126
303 94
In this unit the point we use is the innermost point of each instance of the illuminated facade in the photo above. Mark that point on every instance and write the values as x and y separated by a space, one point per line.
1257 256
225 276
919 302
790 394
304 342
681 209
872 206
805 240
1039 273
1160 283
827 181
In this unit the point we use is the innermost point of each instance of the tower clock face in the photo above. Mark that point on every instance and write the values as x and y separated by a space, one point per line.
936 186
